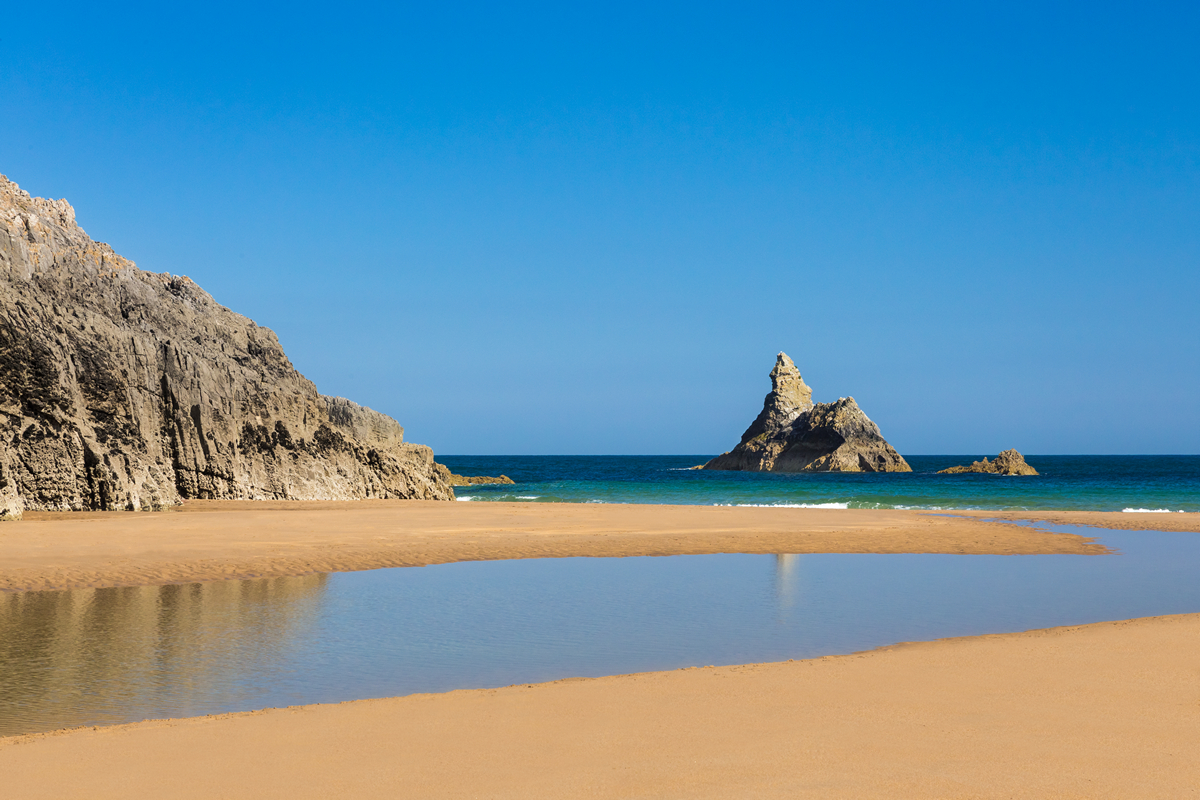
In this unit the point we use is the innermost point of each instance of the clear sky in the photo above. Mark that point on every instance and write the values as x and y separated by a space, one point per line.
571 228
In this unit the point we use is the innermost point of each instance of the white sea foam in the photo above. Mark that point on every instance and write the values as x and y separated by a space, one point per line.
528 496
785 505
465 499
1147 510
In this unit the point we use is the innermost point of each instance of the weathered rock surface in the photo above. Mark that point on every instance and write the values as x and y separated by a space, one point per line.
1010 462
479 480
791 434
126 389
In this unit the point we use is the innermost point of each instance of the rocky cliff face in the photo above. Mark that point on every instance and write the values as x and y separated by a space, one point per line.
125 389
791 434
1010 462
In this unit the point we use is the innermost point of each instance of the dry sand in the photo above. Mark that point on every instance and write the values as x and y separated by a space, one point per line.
218 540
1107 710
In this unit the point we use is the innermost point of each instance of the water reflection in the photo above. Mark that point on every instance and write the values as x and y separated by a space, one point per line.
115 655
787 580
88 656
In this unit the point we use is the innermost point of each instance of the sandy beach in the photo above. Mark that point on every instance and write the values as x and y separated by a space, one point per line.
221 540
1111 520
678 363
1106 710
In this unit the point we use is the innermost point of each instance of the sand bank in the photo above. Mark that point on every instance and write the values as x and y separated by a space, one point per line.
1113 520
219 540
1107 710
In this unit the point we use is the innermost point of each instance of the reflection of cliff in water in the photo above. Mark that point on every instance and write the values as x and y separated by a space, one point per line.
80 657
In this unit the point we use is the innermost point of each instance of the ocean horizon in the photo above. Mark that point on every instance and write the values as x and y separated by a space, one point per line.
1128 483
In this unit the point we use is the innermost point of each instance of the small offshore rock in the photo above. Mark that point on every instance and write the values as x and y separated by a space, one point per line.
1010 462
792 434
478 480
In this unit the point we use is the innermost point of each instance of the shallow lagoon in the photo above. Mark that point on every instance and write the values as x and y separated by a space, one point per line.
105 656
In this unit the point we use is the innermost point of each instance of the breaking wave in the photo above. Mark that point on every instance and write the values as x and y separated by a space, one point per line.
784 505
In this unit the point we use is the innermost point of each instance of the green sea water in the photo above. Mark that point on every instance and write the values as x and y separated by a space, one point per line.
1094 483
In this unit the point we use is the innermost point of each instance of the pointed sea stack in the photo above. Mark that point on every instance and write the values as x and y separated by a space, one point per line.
126 389
792 434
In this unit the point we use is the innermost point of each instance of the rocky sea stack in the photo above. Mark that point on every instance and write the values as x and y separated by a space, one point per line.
126 389
792 434
1010 462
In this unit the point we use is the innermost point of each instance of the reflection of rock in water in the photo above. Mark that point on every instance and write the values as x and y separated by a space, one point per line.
86 656
787 579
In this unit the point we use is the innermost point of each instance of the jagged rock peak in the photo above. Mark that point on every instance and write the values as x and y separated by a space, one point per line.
1010 462
787 383
789 397
126 389
792 434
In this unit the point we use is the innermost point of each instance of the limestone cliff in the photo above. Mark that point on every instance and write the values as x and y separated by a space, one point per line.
1010 462
126 389
791 434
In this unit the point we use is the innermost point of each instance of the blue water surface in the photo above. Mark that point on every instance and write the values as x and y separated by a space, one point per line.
102 656
1098 483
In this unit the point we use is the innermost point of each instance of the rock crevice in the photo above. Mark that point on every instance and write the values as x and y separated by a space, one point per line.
126 389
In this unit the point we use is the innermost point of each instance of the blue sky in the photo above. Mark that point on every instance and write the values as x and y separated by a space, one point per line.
538 229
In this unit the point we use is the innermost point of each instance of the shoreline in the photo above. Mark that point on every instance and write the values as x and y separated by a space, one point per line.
1174 522
228 540
1100 710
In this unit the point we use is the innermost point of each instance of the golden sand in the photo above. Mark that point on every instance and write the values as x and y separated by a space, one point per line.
219 540
1100 711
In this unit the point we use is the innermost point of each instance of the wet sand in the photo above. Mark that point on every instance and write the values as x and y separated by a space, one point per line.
221 540
1113 520
1106 710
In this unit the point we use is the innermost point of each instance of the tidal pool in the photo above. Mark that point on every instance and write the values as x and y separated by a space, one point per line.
104 656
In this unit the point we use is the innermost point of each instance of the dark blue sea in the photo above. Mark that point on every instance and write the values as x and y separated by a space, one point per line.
1093 483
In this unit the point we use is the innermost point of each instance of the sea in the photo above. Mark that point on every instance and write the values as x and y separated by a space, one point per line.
112 655
1135 484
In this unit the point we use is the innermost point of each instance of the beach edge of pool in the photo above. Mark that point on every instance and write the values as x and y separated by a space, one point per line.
1105 709
234 540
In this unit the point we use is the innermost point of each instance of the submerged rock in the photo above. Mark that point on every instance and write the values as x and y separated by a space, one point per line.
792 434
477 480
1010 462
126 389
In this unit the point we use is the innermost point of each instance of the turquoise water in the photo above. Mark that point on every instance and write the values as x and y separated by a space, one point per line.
104 656
1097 483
